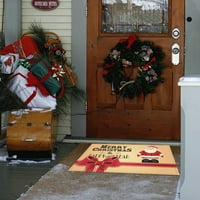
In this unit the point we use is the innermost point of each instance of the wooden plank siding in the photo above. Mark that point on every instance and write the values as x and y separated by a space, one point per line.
2 116
58 21
1 15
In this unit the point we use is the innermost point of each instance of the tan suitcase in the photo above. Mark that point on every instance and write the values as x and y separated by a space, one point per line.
31 133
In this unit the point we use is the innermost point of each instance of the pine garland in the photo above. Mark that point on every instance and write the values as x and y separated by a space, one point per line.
8 100
38 34
2 40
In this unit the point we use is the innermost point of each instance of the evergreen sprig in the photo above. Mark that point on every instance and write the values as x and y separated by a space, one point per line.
2 40
38 34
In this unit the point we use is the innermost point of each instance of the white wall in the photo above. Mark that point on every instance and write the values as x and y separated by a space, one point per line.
192 33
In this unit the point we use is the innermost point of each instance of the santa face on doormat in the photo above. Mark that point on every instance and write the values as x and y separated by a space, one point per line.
150 154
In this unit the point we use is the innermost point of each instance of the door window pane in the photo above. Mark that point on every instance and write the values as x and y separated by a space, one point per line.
138 16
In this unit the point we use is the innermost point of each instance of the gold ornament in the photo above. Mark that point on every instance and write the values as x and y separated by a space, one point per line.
58 71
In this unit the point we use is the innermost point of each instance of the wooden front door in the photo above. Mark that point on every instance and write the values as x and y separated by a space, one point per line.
157 116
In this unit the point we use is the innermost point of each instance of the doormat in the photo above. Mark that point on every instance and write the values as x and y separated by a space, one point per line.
127 158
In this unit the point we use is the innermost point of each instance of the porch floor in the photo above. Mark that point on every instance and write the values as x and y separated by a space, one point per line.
16 179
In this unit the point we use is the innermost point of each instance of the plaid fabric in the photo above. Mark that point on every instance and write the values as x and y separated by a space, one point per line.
25 47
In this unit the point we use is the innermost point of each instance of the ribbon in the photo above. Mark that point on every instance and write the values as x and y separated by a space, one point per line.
33 81
146 67
29 99
131 39
91 162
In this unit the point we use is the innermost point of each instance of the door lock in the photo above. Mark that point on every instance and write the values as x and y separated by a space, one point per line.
175 54
175 33
175 50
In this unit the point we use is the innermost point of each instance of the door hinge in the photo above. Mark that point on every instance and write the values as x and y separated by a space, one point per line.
86 106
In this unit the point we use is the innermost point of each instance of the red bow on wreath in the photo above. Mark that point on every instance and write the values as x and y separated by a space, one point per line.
146 67
131 39
91 162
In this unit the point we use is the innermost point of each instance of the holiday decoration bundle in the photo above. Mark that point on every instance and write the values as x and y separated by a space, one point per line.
34 72
126 56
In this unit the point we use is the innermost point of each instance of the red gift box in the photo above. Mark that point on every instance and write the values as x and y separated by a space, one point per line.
25 47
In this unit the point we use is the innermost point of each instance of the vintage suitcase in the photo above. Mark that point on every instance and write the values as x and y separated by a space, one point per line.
31 133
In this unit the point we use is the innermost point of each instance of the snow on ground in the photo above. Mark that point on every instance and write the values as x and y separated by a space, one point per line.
13 160
59 184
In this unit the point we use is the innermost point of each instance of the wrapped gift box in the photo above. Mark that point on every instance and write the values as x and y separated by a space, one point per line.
31 133
30 95
25 47
43 71
8 63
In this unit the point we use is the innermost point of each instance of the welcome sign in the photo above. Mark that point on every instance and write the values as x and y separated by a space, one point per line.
45 4
127 158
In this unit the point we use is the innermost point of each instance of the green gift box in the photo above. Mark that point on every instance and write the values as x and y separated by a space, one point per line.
42 70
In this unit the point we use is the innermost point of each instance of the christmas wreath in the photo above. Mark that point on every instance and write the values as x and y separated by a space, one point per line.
127 55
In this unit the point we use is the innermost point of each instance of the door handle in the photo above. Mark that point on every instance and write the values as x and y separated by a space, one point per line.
175 57
29 139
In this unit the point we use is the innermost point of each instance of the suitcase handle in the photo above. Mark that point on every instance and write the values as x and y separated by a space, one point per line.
29 139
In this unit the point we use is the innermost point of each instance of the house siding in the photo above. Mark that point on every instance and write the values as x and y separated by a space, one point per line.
58 21
1 15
